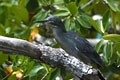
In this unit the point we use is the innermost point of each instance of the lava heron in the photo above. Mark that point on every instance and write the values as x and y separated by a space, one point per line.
73 43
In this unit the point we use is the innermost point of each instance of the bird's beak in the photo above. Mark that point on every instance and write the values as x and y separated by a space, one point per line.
41 21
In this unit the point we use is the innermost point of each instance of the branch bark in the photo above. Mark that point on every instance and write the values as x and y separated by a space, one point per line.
55 57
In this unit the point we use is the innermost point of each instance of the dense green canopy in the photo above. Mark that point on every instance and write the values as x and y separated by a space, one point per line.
89 18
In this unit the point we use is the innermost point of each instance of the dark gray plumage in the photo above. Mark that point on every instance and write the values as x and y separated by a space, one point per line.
73 43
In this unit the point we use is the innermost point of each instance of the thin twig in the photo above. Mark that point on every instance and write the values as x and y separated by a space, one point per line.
45 76
87 4
7 76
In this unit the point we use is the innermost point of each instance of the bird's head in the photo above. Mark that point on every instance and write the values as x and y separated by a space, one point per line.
54 21
51 20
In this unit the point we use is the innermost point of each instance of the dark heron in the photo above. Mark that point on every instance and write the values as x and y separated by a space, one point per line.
73 43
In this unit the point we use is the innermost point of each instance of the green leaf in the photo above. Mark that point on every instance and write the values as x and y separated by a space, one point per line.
35 70
2 30
22 3
66 75
55 74
83 20
62 13
99 23
72 26
51 70
57 2
67 24
99 45
8 30
113 15
62 8
41 15
20 13
107 52
94 24
117 46
31 65
56 45
32 5
66 1
118 17
112 6
18 32
12 77
112 37
72 7
47 67
51 1
6 4
105 20
83 31
3 58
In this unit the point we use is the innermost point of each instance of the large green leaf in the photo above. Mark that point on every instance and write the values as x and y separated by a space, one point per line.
20 13
114 22
67 24
107 52
61 13
32 5
99 23
35 70
83 20
72 7
41 15
94 24
112 37
99 45
31 66
105 20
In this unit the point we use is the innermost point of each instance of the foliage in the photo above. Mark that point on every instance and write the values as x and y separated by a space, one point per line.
16 20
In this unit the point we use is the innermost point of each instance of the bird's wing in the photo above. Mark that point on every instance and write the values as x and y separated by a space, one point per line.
84 47
81 43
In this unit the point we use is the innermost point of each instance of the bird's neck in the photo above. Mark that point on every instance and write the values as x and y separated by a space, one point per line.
59 31
60 28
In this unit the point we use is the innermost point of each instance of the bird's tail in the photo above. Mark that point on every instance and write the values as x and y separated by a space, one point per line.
100 76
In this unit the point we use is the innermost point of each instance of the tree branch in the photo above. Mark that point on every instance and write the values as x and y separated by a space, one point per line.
52 56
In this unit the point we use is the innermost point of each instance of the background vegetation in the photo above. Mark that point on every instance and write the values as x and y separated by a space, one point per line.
90 18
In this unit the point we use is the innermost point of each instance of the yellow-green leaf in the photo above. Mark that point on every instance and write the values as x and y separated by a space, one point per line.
72 7
94 24
83 20
112 37
20 13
